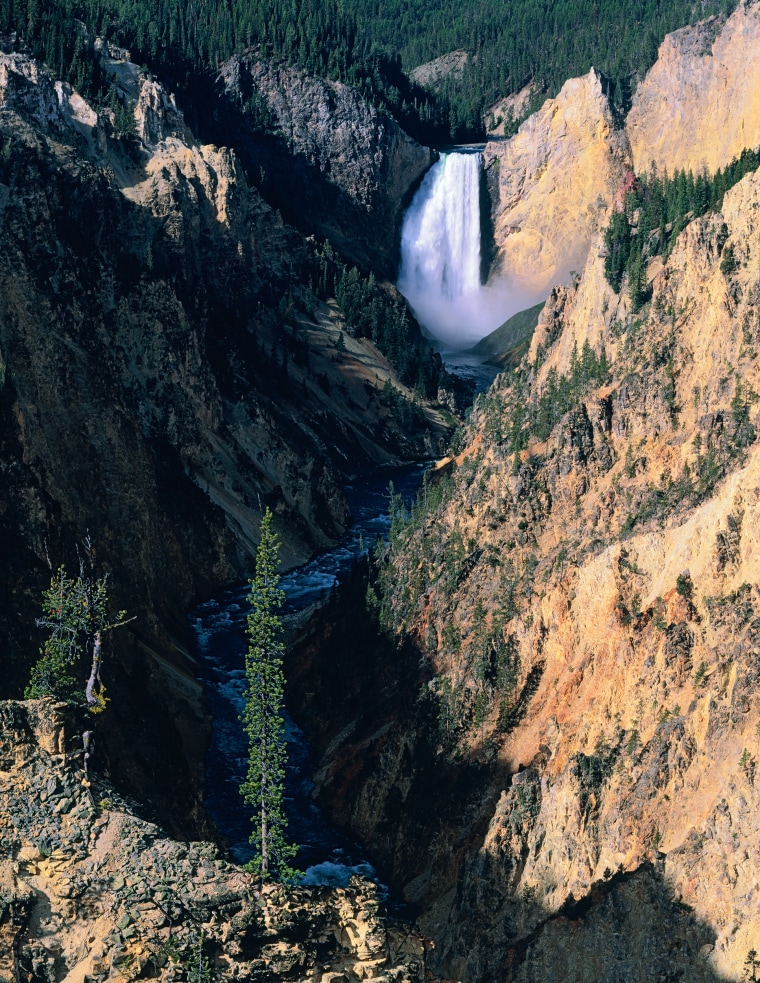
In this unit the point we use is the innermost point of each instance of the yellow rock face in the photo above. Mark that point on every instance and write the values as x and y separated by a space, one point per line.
695 808
555 177
615 561
699 106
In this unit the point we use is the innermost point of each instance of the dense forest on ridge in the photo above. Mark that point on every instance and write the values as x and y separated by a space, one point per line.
368 44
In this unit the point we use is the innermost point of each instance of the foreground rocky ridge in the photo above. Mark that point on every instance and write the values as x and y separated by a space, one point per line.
88 891
570 792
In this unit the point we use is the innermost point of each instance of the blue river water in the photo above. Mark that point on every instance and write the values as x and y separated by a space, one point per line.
325 854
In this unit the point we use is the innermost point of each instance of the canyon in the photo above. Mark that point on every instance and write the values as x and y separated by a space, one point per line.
547 738
153 400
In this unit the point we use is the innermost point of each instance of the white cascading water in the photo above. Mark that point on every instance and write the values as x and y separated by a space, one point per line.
440 239
440 256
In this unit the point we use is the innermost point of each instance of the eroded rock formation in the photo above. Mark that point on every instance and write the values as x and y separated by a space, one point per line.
698 106
552 182
332 163
89 891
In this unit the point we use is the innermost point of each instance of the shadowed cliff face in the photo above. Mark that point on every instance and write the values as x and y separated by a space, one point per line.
330 162
163 381
457 835
584 607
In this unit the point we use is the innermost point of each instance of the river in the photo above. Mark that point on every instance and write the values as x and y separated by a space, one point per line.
325 854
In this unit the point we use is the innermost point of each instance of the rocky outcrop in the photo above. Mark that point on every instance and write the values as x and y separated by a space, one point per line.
433 73
698 107
506 111
332 163
585 603
551 183
90 891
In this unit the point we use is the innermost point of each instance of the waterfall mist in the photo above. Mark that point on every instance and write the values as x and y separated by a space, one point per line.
441 257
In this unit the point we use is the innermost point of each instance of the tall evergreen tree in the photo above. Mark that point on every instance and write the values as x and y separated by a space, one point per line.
262 717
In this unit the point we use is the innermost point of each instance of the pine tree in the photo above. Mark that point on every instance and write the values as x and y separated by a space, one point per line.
76 616
262 716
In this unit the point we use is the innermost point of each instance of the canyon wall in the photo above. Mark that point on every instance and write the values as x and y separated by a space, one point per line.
556 763
540 712
698 107
553 182
569 790
166 375
332 163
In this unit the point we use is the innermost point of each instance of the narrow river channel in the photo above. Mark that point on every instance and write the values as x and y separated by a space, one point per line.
219 624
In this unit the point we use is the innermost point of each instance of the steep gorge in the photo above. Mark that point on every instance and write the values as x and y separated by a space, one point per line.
553 756
569 788
166 374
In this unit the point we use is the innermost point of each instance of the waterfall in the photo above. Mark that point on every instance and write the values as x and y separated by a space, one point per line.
441 257
440 239
440 251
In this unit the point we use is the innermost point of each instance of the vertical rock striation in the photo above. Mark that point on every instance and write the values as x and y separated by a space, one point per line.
571 791
553 182
164 378
699 105
332 163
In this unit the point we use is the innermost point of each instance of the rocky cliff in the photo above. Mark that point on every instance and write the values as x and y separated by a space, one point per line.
332 163
166 374
89 891
541 710
550 184
697 108
569 791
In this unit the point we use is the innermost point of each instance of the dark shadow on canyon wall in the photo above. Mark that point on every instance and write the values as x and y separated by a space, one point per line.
304 166
627 929
128 352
